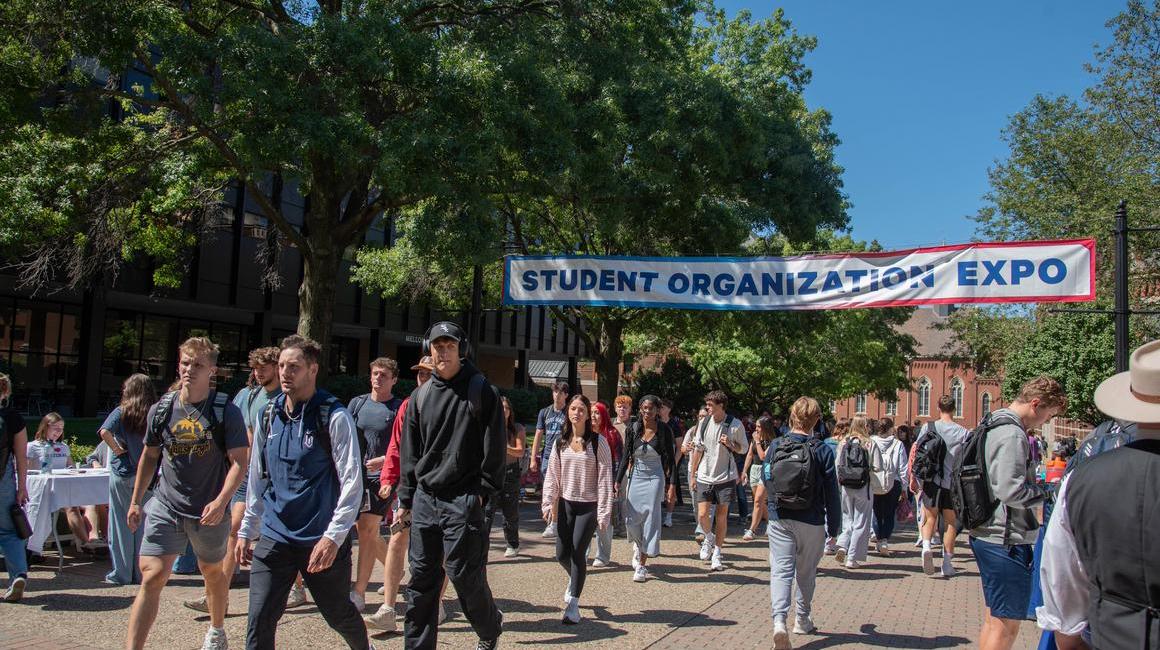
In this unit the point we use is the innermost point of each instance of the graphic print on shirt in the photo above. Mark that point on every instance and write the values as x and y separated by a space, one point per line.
189 438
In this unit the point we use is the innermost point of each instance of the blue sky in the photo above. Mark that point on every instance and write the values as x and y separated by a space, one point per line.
919 93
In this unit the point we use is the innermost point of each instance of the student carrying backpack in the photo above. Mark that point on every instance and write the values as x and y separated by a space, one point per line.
929 453
974 502
854 466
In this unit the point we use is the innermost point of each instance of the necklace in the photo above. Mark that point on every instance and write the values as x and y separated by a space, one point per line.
289 414
196 409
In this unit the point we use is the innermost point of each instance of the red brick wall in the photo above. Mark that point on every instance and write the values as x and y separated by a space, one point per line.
941 375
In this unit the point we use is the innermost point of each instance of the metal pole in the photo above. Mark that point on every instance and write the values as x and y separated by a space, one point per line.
475 323
1121 306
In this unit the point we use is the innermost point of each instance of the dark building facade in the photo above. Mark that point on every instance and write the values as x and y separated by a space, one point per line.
69 351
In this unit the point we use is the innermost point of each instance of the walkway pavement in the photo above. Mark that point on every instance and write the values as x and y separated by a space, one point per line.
888 604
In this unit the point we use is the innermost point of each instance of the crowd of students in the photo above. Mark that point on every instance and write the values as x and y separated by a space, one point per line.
277 478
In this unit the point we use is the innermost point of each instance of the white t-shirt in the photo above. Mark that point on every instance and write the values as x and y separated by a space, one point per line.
717 462
58 450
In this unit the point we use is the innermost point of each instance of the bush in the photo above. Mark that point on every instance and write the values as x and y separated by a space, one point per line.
527 402
675 379
79 451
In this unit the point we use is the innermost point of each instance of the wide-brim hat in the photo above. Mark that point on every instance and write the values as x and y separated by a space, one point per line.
1134 396
426 363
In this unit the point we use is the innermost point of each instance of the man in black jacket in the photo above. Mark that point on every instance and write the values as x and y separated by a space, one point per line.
453 452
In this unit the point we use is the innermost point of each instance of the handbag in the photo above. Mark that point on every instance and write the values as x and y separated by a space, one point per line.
905 513
20 522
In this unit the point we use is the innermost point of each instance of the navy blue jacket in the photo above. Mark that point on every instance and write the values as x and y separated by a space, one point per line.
827 508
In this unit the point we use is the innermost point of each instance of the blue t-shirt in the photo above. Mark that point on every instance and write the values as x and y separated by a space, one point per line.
552 422
133 442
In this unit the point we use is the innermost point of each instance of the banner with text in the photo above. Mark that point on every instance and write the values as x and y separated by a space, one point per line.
1035 271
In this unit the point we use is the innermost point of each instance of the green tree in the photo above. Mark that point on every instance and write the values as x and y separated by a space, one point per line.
366 107
675 379
1077 351
983 337
674 136
1070 163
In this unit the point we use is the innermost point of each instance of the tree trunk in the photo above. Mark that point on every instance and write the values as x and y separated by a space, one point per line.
607 355
316 295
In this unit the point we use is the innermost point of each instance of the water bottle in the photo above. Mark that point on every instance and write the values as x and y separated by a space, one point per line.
46 460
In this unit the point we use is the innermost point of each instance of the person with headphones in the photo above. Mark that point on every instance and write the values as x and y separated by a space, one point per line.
453 455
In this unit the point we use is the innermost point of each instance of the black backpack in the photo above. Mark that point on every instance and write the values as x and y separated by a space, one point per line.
321 428
971 495
854 466
790 473
930 452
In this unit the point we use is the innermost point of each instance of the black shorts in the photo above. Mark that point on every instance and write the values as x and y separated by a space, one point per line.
721 494
372 503
936 498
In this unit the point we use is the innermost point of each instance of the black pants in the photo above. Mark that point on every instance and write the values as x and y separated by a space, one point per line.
508 501
680 499
448 531
885 507
275 566
575 524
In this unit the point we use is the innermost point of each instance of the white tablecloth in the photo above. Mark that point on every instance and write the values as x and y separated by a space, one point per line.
48 493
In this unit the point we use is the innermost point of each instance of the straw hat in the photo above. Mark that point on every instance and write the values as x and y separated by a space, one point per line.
1134 396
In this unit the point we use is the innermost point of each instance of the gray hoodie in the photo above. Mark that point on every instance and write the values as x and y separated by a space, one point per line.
1012 479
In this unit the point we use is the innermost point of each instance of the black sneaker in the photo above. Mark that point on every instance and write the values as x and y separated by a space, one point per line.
487 645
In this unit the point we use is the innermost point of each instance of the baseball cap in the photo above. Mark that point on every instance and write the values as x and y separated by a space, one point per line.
426 363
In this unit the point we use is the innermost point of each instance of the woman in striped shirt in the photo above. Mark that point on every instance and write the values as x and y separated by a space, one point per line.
578 496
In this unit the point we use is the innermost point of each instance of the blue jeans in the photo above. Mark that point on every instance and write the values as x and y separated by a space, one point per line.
124 545
11 545
186 564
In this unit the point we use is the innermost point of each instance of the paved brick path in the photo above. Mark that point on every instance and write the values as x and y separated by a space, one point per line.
889 604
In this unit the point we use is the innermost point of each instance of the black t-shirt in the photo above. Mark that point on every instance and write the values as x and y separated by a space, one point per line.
374 421
13 424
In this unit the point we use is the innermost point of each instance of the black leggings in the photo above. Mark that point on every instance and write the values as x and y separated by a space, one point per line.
575 524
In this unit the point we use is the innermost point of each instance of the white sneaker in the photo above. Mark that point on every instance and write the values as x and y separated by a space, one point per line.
840 555
360 602
382 590
948 571
640 575
927 560
804 625
15 590
550 531
197 605
873 537
635 556
707 547
831 547
883 548
511 552
215 639
715 564
297 597
599 564
747 535
853 564
780 635
667 522
383 620
918 543
572 611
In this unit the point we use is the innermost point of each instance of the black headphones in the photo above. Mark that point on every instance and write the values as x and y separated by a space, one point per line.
447 328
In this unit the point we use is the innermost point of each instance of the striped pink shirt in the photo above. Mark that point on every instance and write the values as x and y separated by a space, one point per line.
573 476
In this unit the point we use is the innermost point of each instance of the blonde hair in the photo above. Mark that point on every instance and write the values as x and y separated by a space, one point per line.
1047 390
47 421
859 428
804 414
200 346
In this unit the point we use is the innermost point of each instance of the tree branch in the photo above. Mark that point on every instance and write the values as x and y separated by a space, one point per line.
218 141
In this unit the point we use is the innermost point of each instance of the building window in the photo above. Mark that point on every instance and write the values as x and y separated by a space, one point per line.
986 404
833 406
924 397
957 396
860 404
892 407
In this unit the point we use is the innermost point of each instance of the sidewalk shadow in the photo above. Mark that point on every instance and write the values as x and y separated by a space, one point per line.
871 637
65 602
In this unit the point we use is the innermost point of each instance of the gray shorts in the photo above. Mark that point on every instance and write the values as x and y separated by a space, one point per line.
167 533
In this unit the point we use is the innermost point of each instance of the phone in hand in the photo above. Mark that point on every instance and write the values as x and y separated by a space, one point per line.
401 523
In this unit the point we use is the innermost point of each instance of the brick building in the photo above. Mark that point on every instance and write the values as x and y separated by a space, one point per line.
931 376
